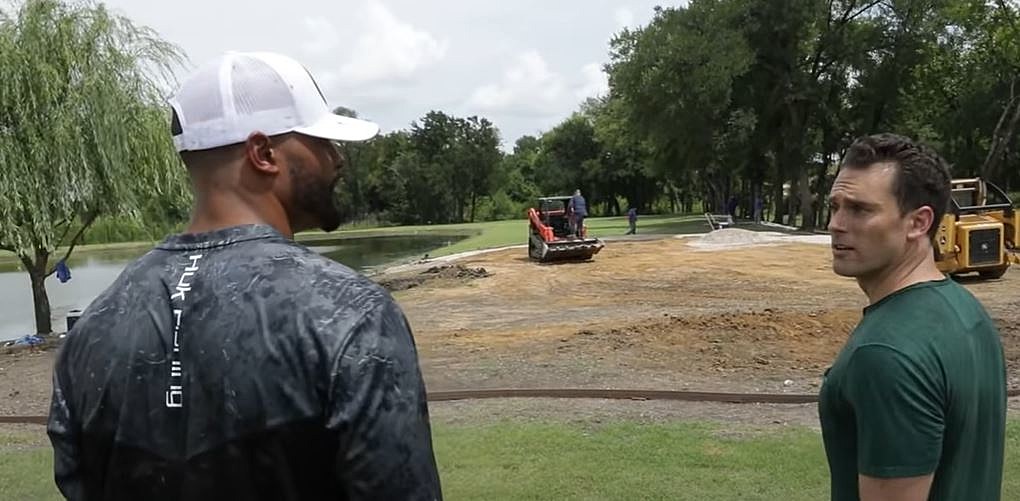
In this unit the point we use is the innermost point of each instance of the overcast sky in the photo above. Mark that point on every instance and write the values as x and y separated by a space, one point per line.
524 64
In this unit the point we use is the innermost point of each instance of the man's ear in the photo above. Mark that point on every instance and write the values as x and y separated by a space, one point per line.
920 221
260 152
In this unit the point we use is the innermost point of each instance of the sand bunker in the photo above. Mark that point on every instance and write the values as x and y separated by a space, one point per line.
734 238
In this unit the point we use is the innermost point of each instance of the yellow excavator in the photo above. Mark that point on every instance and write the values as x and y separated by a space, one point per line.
980 231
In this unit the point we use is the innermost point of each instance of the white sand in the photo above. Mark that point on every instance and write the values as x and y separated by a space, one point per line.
735 238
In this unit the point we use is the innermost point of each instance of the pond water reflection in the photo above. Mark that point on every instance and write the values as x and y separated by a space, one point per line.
92 272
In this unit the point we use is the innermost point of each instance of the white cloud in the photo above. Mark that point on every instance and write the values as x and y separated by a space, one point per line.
596 82
389 49
624 17
530 88
323 35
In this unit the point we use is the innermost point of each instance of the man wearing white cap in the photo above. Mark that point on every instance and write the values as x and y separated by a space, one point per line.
231 362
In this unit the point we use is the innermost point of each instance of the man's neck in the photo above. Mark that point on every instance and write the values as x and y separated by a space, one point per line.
909 272
224 210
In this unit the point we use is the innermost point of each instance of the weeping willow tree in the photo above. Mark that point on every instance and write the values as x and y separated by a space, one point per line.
83 130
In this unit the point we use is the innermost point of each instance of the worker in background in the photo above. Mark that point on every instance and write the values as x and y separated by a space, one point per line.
731 207
579 209
632 220
914 406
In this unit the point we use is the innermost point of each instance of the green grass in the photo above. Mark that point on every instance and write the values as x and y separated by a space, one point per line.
493 234
678 461
483 235
623 460
26 468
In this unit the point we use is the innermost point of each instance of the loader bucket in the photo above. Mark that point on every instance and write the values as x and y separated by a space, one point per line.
565 250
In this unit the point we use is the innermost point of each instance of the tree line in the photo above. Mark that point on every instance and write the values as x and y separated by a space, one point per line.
447 169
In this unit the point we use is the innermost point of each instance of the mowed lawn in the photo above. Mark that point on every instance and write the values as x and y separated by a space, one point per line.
557 461
495 234
483 235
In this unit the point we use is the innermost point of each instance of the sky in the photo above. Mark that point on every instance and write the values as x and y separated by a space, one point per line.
523 64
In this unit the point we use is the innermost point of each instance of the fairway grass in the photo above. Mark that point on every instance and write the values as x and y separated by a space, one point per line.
486 235
496 234
476 236
559 461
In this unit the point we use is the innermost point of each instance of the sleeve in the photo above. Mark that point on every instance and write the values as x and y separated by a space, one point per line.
62 430
899 413
378 405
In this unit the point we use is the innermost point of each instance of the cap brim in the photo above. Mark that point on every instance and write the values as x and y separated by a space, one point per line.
341 128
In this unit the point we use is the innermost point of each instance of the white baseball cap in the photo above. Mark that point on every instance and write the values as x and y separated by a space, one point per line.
238 93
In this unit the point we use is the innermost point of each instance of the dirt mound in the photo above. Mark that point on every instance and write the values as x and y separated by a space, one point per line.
787 339
458 273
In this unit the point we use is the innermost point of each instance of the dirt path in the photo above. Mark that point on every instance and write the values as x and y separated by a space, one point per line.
665 314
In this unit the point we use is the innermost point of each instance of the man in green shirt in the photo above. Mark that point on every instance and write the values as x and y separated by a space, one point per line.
914 407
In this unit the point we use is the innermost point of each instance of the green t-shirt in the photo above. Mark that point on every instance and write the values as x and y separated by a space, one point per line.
919 388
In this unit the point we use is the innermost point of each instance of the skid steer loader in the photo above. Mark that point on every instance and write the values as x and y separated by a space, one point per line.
980 231
551 236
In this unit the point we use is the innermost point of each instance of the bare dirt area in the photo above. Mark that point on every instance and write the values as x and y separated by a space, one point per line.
657 315
669 314
731 311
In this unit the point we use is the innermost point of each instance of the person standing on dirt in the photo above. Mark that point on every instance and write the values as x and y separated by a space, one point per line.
231 362
914 406
579 210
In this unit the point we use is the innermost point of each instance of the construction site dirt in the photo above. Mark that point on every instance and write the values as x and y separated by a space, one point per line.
729 312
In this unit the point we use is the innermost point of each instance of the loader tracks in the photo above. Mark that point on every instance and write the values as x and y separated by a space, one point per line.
586 393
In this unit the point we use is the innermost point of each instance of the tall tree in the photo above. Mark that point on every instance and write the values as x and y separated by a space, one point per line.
1002 46
83 129
566 152
480 156
675 78
625 157
351 196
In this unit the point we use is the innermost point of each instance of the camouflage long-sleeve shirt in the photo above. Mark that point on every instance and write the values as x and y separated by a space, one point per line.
238 364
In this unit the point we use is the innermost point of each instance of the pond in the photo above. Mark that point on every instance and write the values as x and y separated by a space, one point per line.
92 272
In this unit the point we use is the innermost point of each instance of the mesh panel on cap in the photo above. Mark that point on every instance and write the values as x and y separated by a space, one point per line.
200 98
257 87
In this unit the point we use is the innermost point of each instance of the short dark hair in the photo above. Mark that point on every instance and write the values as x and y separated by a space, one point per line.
922 175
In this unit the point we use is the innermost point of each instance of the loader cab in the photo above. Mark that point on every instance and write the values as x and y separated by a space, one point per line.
971 196
553 211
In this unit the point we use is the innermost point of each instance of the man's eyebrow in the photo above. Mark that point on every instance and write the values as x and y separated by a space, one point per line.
848 200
